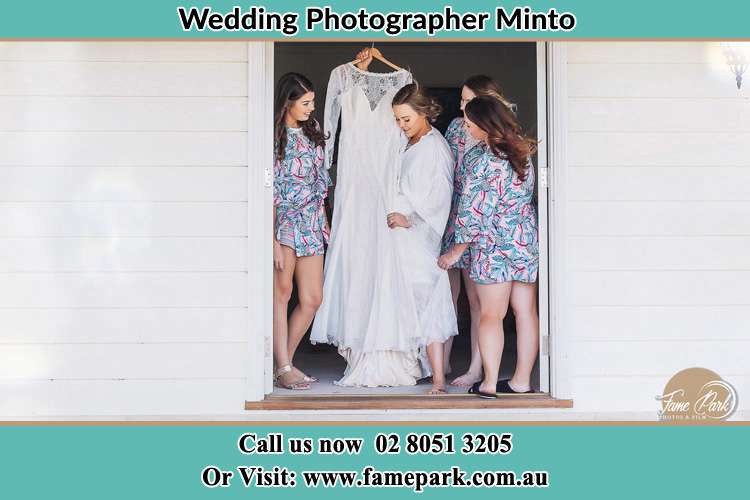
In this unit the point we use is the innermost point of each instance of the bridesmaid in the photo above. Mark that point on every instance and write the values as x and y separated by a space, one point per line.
496 221
462 143
300 228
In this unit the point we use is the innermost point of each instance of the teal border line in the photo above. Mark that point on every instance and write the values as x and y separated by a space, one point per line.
158 20
587 461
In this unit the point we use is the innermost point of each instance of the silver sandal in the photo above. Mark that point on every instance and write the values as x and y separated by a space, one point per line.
302 385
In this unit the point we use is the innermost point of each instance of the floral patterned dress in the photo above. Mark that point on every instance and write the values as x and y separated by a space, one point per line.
461 144
300 187
497 217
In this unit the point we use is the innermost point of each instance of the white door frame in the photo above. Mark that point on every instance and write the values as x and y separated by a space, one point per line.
259 219
542 187
551 59
557 95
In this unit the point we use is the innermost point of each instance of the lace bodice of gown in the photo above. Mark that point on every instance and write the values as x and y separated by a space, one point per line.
374 86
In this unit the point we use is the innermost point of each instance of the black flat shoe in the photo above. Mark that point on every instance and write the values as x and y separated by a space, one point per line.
474 389
504 387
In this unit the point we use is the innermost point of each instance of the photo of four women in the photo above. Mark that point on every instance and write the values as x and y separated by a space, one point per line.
445 210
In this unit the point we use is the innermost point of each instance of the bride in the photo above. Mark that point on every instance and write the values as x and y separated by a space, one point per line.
421 206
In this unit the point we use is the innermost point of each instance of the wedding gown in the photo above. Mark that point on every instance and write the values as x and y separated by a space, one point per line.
367 311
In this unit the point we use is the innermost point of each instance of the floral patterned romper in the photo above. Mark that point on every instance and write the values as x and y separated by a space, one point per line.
461 144
496 216
300 187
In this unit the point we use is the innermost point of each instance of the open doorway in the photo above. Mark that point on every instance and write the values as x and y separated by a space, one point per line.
439 67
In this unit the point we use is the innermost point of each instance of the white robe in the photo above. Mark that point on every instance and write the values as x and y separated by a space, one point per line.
423 195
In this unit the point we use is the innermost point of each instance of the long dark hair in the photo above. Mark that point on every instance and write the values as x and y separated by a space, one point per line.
413 95
483 85
291 87
504 135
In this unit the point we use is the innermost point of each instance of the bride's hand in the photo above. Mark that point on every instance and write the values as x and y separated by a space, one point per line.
364 57
396 219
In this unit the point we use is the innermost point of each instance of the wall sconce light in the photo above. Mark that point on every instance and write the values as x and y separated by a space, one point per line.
738 58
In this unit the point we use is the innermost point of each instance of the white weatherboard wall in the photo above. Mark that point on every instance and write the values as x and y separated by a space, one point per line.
657 222
123 228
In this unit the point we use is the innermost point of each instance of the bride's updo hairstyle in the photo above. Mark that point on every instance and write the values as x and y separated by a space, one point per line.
291 87
420 102
504 135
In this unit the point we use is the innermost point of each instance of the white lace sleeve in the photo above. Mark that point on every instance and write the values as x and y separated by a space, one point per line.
407 78
336 84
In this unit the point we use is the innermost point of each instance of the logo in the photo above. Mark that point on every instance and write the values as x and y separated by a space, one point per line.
697 394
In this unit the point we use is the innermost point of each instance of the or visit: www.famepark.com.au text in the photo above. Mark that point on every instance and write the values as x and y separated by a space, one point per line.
370 477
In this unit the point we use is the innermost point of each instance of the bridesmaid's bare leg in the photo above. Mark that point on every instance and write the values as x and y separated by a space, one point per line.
435 355
493 302
309 278
282 291
474 373
523 300
454 276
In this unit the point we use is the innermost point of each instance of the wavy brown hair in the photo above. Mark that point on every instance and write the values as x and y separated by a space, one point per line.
291 87
483 85
504 135
414 96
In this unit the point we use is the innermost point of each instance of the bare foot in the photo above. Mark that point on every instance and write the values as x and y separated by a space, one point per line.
437 390
489 389
519 387
467 379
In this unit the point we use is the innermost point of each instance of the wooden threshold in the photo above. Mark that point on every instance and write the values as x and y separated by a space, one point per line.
406 402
